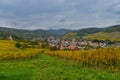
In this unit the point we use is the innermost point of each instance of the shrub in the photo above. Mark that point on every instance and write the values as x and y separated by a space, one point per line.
54 48
18 45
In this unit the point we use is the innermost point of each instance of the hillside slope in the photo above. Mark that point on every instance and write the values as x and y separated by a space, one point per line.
82 32
115 28
6 35
59 32
112 36
26 34
64 33
110 33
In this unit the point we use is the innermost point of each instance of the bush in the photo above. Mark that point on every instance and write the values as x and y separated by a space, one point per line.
24 45
45 46
18 45
54 48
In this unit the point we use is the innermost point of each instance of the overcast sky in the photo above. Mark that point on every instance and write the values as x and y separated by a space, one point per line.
55 14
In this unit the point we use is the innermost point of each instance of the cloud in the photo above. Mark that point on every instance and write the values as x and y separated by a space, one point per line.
71 14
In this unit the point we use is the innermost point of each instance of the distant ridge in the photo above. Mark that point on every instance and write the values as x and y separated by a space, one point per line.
25 34
110 33
85 33
59 32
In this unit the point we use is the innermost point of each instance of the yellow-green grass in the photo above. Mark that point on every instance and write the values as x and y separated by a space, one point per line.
9 51
51 68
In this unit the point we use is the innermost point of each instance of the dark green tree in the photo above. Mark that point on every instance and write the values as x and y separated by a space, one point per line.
18 45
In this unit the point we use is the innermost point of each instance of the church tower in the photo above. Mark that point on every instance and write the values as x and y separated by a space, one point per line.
10 37
74 42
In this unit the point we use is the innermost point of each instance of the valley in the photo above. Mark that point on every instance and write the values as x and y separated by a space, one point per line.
42 55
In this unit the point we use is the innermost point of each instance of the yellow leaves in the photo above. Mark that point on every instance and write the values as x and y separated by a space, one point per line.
20 54
106 56
9 51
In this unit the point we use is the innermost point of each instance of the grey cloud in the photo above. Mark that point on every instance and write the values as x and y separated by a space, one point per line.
45 14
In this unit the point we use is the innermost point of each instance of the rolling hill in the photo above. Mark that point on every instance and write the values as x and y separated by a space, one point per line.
26 34
79 34
5 36
29 34
59 32
112 36
108 33
115 28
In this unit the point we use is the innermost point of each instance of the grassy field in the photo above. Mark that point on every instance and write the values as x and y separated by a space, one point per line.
34 64
50 68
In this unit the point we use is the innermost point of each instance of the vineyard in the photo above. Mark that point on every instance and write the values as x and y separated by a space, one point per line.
107 57
9 51
36 64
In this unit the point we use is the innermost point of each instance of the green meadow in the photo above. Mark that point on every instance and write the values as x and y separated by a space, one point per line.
50 68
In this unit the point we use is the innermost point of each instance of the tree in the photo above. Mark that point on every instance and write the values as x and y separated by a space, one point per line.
54 48
18 45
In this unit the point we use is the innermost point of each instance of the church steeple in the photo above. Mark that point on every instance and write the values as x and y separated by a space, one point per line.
74 42
10 37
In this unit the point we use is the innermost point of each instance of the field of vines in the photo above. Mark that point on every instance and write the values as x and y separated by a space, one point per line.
106 57
8 51
22 64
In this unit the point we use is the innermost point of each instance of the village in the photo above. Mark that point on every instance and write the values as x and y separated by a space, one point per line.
73 44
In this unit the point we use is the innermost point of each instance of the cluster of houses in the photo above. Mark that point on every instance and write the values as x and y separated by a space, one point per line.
73 44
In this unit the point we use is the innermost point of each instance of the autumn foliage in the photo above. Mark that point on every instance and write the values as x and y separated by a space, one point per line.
8 51
105 57
97 57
